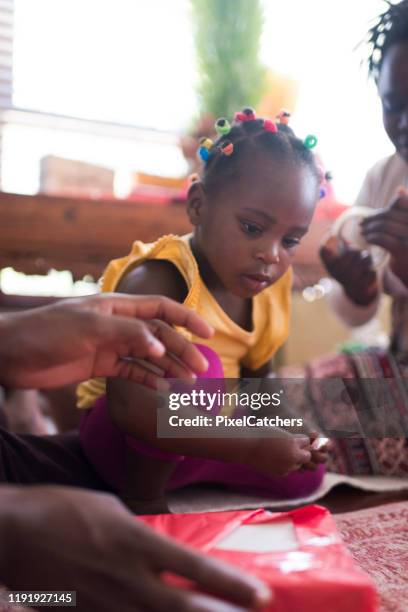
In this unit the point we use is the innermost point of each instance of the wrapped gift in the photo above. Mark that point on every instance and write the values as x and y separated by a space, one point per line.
299 554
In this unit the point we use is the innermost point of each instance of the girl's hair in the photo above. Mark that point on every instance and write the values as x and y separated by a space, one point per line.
390 27
247 137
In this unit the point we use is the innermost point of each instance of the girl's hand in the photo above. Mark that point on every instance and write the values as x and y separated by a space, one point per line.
281 455
320 448
353 270
389 230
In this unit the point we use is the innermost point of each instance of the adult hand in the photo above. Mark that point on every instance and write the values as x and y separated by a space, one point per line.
353 270
389 230
56 538
101 335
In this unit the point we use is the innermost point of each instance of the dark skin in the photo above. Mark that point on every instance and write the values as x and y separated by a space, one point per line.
59 538
388 228
267 213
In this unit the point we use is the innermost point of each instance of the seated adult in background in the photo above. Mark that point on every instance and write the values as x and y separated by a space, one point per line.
62 538
356 294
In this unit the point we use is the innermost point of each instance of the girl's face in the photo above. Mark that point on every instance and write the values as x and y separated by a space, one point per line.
393 91
249 231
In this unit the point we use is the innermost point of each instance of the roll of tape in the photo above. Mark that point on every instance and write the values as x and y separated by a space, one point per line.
347 231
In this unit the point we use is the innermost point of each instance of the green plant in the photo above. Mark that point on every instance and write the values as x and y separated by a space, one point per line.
227 40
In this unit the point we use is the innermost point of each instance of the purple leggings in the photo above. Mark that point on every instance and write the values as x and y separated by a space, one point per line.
104 444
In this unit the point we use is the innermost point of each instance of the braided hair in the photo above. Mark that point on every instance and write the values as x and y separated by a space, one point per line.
390 27
248 137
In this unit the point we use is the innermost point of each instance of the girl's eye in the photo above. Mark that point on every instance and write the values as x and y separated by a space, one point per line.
250 228
290 243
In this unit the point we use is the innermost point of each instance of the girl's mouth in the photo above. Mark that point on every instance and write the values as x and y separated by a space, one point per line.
256 282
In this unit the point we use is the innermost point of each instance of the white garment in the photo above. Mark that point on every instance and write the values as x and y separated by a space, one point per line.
378 191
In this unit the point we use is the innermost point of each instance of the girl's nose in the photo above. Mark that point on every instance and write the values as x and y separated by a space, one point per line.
269 255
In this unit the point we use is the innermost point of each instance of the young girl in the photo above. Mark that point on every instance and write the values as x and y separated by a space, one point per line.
250 209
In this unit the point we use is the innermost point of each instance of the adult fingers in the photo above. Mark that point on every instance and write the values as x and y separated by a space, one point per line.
130 369
127 337
391 214
401 201
388 226
387 241
212 575
153 340
156 307
172 368
160 597
179 346
349 265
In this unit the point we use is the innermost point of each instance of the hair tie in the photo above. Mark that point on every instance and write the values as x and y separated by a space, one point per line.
247 114
270 126
310 141
222 126
283 116
206 144
227 148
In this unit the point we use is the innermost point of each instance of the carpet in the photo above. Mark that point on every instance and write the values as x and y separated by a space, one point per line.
378 540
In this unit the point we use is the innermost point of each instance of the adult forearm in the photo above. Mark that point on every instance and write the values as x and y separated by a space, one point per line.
347 311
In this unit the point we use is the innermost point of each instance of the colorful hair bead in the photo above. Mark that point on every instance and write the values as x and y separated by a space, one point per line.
204 154
206 143
270 126
227 148
222 126
328 176
283 116
247 114
322 193
310 141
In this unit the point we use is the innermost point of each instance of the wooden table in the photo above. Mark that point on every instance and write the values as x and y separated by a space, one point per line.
40 232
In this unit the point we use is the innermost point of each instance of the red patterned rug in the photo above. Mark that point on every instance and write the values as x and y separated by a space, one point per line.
378 540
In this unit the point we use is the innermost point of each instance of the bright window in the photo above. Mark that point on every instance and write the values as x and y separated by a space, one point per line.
132 62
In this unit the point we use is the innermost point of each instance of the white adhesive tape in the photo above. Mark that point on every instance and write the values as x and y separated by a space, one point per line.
347 230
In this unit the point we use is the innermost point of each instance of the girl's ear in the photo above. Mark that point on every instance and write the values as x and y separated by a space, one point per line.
196 200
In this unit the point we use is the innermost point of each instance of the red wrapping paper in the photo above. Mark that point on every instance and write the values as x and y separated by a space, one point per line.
317 574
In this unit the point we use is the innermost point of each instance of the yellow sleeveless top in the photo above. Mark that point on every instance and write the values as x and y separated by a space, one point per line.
234 345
